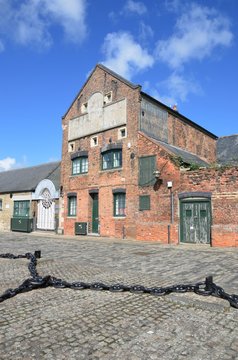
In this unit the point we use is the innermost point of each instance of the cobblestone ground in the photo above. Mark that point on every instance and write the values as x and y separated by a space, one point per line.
67 324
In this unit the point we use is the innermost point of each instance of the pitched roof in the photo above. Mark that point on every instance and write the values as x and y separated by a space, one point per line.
227 150
119 77
186 156
109 71
27 179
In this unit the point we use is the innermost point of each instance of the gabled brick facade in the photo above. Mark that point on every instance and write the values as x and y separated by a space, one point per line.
111 115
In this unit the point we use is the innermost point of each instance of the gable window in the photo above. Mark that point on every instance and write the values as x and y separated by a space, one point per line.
80 165
112 159
147 166
72 205
119 203
107 98
122 133
94 141
21 208
0 204
71 147
84 107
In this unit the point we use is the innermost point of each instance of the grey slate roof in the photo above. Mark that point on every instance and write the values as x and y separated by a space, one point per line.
27 179
227 150
186 156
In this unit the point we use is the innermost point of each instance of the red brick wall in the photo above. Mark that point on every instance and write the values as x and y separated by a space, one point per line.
223 184
104 181
153 224
191 139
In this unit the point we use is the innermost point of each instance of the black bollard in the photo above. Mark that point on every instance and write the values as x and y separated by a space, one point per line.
38 254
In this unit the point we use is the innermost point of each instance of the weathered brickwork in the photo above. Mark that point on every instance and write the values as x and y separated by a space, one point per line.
96 178
223 184
192 139
161 222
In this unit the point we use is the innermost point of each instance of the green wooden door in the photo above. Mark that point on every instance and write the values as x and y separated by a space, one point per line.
195 222
95 213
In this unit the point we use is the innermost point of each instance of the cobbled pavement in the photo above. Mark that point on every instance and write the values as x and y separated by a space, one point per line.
84 324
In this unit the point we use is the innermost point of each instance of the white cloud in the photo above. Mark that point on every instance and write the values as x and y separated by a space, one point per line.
173 5
124 55
145 31
179 87
30 21
198 31
135 7
7 163
70 15
1 46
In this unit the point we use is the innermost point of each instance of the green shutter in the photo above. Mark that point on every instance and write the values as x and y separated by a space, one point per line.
147 166
144 202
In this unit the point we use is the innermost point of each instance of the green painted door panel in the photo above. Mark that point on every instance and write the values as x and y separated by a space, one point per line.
195 222
95 220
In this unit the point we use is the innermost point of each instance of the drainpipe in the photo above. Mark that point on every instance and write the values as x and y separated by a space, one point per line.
169 186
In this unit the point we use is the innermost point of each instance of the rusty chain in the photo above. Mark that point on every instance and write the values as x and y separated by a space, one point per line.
204 288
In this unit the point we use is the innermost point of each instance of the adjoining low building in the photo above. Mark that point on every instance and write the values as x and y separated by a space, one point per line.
29 198
133 167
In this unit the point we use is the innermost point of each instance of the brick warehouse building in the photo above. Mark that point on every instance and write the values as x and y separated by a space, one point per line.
134 168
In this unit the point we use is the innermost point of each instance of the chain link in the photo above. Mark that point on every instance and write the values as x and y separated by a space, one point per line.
204 288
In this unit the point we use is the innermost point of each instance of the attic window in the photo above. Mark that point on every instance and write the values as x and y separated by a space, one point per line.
71 147
122 133
94 141
107 98
84 107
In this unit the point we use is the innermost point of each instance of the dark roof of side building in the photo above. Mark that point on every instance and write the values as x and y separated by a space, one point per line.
27 179
185 156
227 150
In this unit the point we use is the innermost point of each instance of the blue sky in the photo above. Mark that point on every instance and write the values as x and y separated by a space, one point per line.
181 51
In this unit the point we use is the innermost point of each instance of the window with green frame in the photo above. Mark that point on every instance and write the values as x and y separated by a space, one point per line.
119 204
147 165
72 205
80 165
144 202
112 159
21 208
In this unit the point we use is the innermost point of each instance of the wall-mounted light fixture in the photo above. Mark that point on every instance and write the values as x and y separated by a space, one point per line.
169 184
156 174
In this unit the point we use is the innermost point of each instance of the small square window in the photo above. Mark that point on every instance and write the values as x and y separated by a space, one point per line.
84 108
144 202
71 147
107 98
94 141
122 133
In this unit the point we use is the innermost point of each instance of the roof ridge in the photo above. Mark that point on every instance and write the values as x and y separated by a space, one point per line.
31 167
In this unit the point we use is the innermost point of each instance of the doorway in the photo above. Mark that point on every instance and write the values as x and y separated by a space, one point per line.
195 221
95 218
